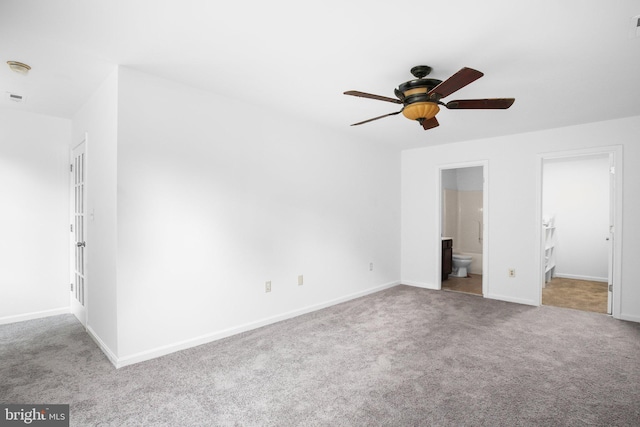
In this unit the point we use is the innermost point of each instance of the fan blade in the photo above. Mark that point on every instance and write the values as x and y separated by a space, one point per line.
371 96
376 118
481 104
456 82
430 124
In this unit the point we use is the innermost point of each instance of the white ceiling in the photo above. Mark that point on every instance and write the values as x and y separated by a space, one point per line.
566 62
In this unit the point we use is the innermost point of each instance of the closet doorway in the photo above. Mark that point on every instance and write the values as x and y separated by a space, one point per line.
577 229
463 214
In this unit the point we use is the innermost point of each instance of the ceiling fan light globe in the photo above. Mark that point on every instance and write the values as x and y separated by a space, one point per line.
414 91
421 110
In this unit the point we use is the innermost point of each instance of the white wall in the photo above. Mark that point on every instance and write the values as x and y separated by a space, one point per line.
513 224
34 215
450 179
215 197
469 178
98 120
576 192
463 178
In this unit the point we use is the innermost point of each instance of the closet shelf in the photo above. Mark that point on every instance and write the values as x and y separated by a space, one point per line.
549 251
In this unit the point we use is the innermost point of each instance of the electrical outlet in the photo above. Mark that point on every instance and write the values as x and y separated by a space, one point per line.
267 286
370 266
512 272
300 280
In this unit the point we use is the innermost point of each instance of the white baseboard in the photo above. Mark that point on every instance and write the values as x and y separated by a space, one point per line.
630 318
511 299
488 296
578 277
105 349
204 339
424 285
35 315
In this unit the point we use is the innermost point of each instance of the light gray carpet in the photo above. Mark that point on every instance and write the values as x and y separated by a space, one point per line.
402 357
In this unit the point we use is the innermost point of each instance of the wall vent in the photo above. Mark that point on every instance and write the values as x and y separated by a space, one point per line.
634 27
15 97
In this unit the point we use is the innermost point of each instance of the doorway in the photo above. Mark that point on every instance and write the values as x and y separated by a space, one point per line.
463 218
78 289
577 222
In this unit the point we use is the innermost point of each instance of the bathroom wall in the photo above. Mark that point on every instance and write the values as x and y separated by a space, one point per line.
462 212
450 204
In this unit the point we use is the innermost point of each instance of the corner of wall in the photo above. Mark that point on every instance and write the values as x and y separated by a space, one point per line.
97 119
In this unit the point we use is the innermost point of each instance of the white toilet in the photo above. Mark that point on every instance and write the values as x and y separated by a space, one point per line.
460 264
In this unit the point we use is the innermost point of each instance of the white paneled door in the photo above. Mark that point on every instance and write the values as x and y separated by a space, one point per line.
78 232
611 236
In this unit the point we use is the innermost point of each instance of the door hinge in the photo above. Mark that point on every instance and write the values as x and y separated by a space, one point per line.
610 287
71 227
71 287
71 167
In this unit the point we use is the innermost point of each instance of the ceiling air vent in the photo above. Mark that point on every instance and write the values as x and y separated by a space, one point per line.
15 97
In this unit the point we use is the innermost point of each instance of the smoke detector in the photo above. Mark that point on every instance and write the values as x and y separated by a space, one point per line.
19 67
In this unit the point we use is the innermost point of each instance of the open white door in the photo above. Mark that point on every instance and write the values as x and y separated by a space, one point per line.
78 232
611 236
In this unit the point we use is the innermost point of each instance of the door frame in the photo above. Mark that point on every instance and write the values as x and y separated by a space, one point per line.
82 314
485 219
614 153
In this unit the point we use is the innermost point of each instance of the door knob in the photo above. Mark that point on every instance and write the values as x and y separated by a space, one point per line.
81 244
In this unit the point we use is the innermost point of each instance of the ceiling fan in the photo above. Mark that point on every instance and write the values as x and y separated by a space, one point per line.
420 98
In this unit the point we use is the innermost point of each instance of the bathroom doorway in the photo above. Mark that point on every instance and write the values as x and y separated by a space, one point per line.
577 206
463 213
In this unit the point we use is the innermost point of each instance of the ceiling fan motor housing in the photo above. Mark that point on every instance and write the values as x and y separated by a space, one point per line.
417 104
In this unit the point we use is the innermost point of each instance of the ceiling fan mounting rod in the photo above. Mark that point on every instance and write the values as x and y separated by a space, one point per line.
421 71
